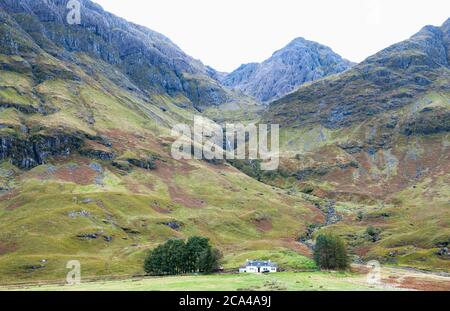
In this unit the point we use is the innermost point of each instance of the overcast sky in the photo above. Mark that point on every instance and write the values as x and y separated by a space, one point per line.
227 33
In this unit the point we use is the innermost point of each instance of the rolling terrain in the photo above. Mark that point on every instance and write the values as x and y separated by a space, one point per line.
374 141
86 172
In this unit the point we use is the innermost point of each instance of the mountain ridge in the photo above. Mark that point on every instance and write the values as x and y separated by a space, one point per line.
86 170
152 61
390 78
298 62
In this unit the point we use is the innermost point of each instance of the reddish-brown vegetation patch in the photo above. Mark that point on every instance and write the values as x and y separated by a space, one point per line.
419 283
9 195
123 141
161 210
6 248
157 208
294 245
264 225
13 206
179 196
362 251
81 175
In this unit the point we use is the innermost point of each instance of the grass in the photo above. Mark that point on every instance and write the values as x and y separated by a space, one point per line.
289 281
37 226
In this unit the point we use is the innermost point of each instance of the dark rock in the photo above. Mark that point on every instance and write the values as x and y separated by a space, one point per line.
148 164
426 122
122 165
34 267
88 236
352 147
108 238
172 224
130 231
320 171
443 252
98 154
34 151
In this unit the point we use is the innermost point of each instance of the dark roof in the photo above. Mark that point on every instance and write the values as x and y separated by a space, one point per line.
260 263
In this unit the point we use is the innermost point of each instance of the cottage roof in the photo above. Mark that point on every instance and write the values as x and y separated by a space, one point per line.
260 263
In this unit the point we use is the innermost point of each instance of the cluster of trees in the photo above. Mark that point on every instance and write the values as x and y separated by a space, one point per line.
196 255
330 252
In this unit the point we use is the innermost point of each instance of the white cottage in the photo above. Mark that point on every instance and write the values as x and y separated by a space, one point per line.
259 266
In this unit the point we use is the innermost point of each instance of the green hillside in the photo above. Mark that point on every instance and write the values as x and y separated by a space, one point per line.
86 173
374 141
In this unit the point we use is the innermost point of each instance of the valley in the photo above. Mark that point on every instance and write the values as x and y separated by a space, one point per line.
86 171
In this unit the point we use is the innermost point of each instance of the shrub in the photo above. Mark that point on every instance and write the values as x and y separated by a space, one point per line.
373 234
330 253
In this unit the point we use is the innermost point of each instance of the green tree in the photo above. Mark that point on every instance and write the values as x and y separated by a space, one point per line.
209 260
195 247
330 252
178 257
154 262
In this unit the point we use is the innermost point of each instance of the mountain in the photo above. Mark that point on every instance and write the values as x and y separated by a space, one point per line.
148 59
299 62
375 141
389 80
86 171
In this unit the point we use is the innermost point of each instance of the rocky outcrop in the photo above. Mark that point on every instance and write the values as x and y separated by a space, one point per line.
299 62
32 150
426 122
147 164
319 171
174 225
27 153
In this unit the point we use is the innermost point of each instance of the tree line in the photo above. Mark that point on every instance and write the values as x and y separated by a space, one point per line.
196 255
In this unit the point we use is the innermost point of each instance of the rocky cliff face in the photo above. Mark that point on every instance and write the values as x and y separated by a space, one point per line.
299 62
151 61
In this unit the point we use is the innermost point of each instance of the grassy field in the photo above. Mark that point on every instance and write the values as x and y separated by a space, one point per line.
289 281
391 279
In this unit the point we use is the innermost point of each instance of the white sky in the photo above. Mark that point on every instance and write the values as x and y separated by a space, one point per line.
226 33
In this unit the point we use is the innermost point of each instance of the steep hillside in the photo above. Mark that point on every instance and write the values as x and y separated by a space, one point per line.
299 62
374 141
85 166
86 172
385 82
148 59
